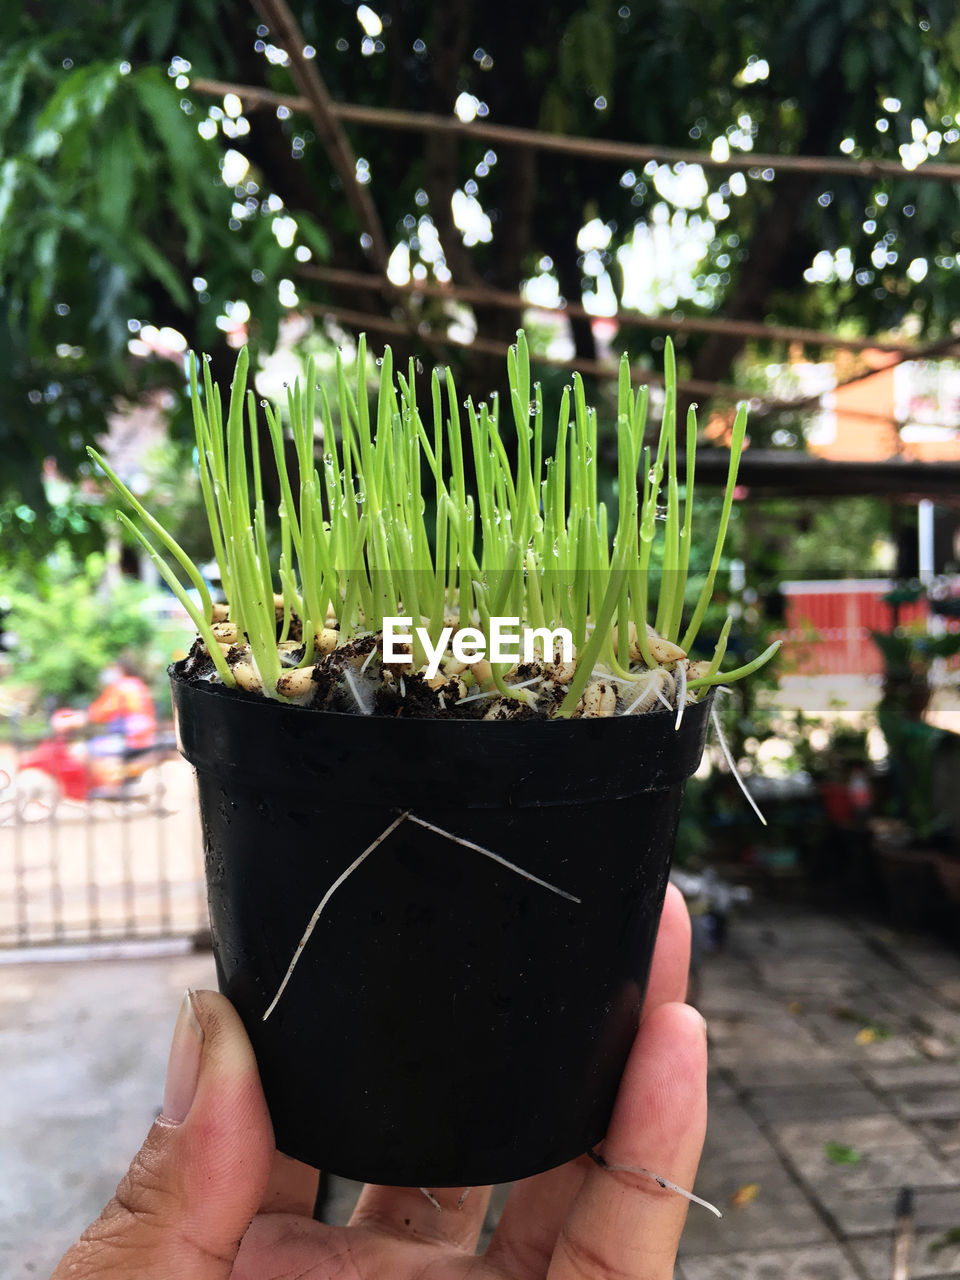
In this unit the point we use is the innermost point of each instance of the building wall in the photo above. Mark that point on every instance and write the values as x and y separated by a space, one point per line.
921 397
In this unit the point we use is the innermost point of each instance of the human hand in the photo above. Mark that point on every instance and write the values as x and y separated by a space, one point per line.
207 1197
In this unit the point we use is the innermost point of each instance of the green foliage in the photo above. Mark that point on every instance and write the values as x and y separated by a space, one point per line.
843 747
537 543
72 629
908 655
112 205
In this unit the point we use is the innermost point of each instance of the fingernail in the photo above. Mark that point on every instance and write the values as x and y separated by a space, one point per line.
183 1066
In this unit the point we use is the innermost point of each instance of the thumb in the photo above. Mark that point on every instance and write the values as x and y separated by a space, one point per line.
188 1197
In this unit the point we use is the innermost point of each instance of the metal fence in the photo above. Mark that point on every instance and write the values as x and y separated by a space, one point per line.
96 863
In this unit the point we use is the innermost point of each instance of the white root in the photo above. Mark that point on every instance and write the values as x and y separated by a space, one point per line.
493 693
681 671
488 853
425 1191
658 688
375 844
655 1177
728 756
387 831
359 694
219 613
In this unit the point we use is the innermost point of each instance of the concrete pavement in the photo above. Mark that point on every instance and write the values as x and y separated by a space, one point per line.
835 1081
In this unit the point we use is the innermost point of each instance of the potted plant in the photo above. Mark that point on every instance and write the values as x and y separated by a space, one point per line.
436 865
918 848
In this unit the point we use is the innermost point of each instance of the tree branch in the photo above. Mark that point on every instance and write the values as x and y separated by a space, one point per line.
282 23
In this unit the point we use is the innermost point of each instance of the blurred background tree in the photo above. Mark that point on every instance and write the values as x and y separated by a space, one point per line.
68 627
129 199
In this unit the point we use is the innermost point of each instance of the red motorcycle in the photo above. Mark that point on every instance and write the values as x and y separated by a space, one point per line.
70 765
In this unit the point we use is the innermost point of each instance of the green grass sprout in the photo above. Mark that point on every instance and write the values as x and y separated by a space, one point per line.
447 512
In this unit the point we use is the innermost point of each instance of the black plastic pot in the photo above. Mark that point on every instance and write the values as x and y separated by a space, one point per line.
449 1022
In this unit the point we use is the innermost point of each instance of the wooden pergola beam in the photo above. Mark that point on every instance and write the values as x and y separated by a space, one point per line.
504 300
588 148
363 320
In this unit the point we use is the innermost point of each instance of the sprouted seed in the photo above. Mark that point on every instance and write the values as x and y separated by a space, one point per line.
447 513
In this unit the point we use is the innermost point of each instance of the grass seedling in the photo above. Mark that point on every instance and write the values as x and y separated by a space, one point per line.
382 519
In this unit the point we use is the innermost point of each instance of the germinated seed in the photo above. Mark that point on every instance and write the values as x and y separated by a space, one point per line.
560 672
663 650
482 672
296 683
599 699
247 676
325 640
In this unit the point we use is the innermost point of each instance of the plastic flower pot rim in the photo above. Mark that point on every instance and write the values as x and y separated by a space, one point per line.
449 1022
530 755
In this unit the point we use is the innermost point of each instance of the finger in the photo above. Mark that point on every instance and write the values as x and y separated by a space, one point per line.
624 1224
196 1182
526 1234
527 1231
292 1187
670 966
410 1213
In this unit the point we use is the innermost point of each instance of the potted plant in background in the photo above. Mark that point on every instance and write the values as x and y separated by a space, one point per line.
919 846
435 871
838 856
